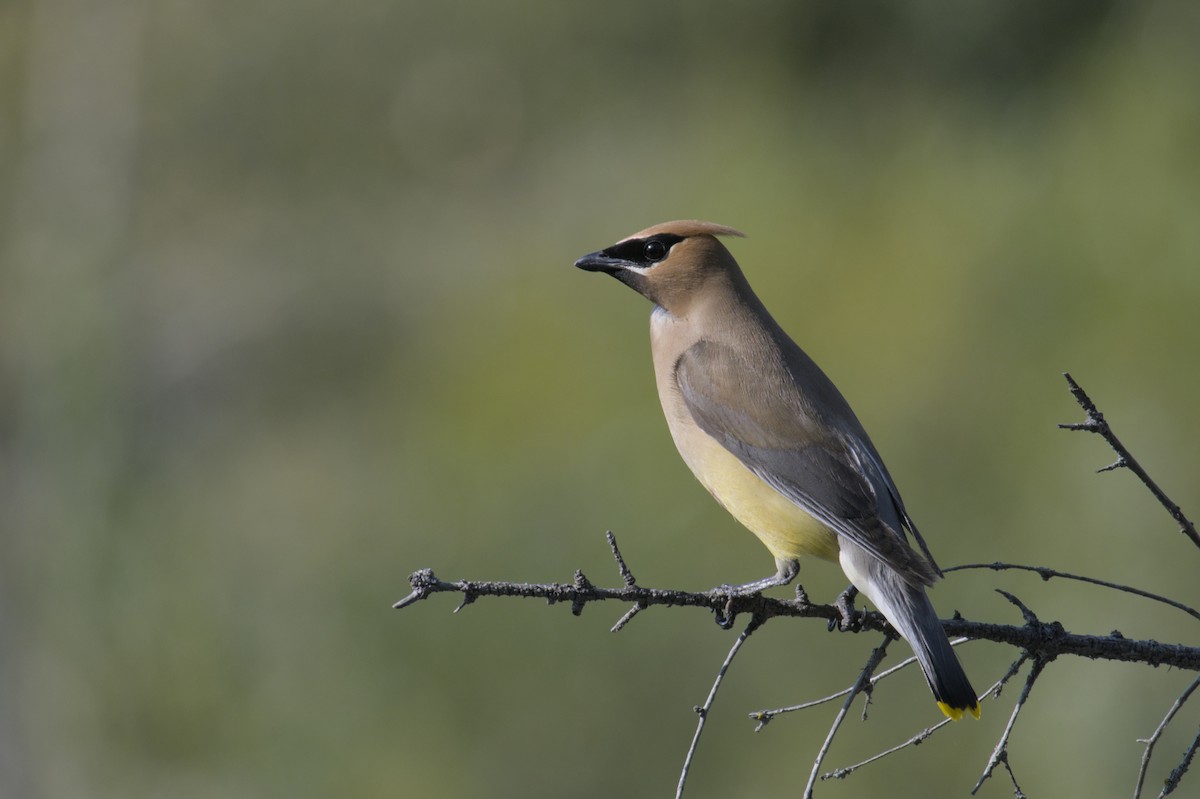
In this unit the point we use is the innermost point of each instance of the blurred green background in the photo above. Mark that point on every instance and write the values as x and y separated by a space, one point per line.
287 312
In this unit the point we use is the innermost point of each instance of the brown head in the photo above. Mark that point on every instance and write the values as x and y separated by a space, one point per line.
670 262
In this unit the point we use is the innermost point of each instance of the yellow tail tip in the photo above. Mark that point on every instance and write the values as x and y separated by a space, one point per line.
956 713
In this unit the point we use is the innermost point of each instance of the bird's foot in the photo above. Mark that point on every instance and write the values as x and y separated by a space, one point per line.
744 589
851 618
786 572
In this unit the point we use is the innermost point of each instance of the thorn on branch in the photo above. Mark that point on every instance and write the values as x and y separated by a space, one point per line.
629 614
469 596
1031 618
1119 463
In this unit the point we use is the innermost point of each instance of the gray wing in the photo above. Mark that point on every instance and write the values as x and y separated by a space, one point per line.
825 471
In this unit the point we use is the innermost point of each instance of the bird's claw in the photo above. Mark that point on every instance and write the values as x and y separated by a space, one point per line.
850 617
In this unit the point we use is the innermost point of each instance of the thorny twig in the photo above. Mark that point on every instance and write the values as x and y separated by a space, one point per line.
703 710
1153 739
622 568
1046 638
860 685
763 717
923 735
1000 753
1047 574
1096 423
630 582
1172 780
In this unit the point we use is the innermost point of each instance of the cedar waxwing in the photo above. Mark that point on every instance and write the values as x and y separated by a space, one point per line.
772 439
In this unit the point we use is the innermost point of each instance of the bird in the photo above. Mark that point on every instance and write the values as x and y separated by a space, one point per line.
767 433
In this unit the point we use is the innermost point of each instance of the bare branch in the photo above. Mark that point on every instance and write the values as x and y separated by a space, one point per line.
920 737
1172 781
1031 618
916 740
1047 574
1044 639
1017 792
1000 753
702 710
1095 422
861 684
629 579
628 617
1153 739
763 717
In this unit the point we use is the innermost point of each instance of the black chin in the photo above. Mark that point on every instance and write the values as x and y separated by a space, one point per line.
632 278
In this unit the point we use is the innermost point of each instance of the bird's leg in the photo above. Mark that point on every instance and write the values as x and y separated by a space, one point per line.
785 572
851 617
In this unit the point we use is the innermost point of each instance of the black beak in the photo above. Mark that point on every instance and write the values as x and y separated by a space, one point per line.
599 262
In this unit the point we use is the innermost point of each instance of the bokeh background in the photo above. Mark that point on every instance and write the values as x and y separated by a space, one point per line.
287 312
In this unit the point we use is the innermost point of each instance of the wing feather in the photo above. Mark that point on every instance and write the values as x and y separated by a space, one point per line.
825 471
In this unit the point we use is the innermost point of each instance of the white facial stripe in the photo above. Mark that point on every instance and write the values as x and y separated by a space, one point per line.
641 270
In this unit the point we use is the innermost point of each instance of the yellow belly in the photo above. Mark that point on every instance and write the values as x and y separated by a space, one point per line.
785 528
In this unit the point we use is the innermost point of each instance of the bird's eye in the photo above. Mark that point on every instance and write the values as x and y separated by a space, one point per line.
654 250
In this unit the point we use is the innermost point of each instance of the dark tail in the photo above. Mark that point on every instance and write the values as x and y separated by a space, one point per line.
907 607
909 610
